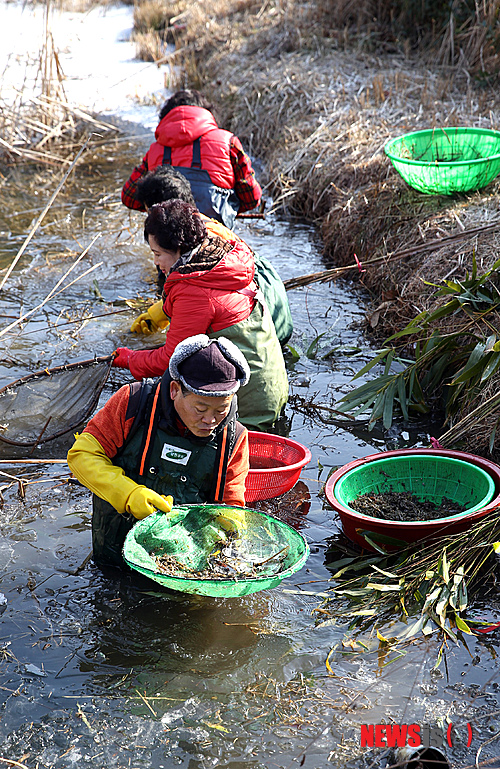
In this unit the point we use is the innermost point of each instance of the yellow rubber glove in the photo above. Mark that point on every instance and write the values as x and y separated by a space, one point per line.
89 463
233 520
151 321
143 501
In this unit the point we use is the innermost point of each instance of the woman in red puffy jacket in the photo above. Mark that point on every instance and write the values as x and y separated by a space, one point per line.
210 289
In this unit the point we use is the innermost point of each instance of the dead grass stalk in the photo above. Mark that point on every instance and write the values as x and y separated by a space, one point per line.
44 129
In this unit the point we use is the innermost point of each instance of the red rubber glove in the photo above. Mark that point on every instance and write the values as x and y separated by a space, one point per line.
122 357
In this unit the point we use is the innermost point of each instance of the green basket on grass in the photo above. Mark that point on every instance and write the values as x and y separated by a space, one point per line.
446 160
272 549
427 477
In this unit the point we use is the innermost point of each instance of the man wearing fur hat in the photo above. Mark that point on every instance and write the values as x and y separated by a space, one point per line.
154 441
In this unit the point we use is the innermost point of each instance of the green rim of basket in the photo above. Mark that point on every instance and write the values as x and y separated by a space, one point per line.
441 163
447 176
387 482
217 588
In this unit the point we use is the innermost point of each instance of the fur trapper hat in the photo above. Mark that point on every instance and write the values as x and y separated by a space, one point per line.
214 367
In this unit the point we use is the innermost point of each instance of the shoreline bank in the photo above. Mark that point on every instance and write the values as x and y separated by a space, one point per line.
317 115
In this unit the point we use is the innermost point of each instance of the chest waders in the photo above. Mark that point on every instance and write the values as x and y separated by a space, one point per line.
276 297
271 285
262 399
216 202
163 461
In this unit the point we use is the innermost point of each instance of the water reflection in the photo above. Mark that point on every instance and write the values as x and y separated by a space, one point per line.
134 627
291 507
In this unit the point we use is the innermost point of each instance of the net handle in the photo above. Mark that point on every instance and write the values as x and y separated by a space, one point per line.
56 369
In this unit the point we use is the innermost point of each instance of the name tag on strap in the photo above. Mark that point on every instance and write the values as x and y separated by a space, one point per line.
175 454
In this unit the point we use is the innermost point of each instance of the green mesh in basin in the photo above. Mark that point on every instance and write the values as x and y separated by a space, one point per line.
272 549
425 476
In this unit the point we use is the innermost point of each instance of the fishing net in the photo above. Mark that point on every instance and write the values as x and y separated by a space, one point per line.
48 404
189 551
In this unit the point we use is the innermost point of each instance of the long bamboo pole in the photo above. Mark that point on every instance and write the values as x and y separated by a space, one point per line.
42 216
432 245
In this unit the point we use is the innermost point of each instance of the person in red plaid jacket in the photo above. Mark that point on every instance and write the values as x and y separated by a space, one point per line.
212 159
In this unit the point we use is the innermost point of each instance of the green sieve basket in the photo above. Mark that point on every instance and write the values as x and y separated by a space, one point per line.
275 549
446 160
426 476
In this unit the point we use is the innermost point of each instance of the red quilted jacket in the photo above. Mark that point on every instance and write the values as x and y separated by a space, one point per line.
178 130
199 302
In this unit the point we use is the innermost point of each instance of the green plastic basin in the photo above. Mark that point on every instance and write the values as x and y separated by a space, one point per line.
446 160
429 476
265 537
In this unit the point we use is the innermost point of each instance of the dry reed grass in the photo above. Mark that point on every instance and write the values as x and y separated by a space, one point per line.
472 426
45 129
460 34
78 6
156 15
319 118
149 46
156 23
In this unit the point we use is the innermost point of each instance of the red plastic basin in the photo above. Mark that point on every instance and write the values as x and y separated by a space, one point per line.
408 531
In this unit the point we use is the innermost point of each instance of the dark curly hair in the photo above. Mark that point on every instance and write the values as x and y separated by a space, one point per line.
186 98
163 183
175 225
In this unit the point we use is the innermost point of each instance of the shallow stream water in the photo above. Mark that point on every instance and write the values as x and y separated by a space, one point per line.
98 669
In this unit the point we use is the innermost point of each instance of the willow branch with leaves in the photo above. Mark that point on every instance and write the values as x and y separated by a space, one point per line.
428 586
444 357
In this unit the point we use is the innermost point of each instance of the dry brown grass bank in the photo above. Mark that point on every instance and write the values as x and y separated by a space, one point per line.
317 106
319 115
